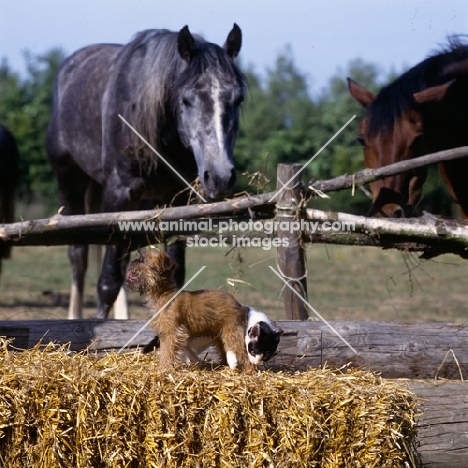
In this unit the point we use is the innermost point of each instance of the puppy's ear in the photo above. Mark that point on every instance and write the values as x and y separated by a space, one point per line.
169 265
254 332
141 252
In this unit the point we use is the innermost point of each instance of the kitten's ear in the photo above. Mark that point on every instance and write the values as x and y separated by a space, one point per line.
254 332
278 333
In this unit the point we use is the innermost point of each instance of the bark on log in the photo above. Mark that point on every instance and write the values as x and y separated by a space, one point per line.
396 350
103 228
443 425
429 234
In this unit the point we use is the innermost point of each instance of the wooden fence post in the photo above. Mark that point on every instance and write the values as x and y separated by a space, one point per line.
291 253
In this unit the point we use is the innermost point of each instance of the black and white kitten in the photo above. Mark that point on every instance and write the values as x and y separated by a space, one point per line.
261 338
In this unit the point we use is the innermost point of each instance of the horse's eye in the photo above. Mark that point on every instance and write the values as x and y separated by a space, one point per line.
186 102
361 140
238 101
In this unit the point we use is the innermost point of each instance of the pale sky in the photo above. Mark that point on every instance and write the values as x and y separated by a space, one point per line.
323 34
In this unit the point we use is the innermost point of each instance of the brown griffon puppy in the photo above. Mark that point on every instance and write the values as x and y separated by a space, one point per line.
194 320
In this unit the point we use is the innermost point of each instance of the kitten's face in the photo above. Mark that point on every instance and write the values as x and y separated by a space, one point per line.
262 342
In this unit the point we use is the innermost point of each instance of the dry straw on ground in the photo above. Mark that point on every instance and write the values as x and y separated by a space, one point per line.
62 409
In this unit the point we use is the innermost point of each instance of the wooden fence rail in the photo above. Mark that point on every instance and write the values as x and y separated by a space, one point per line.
102 228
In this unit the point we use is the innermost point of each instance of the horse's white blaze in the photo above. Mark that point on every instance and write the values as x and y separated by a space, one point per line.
218 111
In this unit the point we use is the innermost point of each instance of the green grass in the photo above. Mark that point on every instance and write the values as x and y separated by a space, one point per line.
344 283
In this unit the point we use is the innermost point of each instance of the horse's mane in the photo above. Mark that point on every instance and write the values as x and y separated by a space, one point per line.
395 99
160 77
150 85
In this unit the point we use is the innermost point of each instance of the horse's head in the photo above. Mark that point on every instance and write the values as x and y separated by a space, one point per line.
393 131
209 93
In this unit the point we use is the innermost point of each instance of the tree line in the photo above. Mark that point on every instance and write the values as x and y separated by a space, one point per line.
280 122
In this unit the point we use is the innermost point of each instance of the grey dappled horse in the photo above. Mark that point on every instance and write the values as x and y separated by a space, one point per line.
181 93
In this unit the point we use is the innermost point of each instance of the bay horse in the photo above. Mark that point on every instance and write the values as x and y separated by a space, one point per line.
9 176
425 110
181 93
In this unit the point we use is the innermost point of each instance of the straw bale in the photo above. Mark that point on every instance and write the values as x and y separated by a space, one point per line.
62 409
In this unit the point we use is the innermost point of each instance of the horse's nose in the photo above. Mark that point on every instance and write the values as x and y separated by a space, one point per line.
390 210
389 204
399 213
393 210
218 185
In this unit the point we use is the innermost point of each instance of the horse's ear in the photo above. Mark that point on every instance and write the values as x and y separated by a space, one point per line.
186 44
233 42
360 94
433 94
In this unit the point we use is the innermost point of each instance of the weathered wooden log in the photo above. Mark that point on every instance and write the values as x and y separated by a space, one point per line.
107 228
93 334
370 175
429 234
396 350
443 425
103 228
291 253
410 351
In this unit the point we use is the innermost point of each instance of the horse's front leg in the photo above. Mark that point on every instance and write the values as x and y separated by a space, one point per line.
116 196
78 255
111 278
